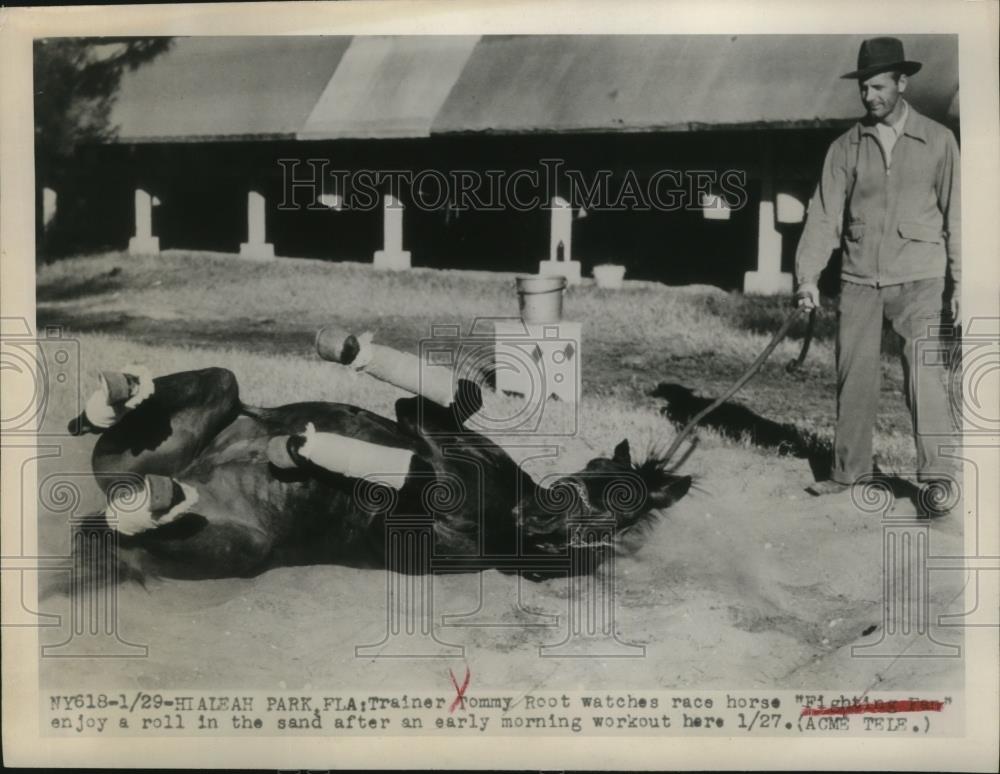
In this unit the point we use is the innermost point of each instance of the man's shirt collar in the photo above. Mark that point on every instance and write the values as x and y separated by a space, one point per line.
898 124
911 124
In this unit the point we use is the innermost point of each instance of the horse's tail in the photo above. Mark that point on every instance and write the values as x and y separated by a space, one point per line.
100 558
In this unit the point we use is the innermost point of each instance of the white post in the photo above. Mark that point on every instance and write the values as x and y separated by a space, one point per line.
50 201
768 279
143 243
256 245
560 261
789 208
561 232
392 256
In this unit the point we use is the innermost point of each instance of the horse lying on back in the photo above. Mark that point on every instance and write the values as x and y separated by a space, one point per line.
200 485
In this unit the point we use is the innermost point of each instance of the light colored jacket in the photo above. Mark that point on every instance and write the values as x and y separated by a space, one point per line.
896 222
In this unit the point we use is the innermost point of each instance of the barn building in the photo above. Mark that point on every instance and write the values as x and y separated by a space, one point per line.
685 158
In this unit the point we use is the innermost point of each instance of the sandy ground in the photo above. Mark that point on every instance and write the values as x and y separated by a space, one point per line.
749 583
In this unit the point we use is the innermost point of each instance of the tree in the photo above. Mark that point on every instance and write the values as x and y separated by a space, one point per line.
76 82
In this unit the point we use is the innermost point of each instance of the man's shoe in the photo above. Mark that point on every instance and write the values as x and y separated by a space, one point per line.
937 498
828 487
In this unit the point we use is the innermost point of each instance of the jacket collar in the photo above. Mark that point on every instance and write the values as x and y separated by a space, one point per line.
915 125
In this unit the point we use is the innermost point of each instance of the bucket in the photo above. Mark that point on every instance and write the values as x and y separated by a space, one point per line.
609 275
540 298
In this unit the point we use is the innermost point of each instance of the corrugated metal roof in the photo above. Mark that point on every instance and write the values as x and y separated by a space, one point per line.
226 88
566 83
389 87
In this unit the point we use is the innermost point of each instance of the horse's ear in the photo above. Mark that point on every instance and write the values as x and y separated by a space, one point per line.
623 455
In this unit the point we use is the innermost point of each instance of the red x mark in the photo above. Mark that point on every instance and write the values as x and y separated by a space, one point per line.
459 692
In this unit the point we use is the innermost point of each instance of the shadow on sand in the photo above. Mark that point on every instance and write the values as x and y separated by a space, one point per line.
738 423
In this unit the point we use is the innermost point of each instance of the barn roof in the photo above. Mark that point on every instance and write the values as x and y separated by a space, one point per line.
389 87
563 83
413 86
207 88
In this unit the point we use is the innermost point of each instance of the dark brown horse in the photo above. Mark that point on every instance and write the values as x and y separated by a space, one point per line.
236 513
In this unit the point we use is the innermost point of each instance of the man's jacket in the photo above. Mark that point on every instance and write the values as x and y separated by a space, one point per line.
897 222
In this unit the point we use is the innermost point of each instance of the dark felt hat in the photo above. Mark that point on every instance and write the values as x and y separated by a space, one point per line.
879 55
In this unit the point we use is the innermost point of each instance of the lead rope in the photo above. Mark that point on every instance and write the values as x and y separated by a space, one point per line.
746 377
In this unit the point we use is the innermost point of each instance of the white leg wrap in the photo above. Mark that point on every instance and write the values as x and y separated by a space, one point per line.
128 512
434 382
101 412
357 459
145 385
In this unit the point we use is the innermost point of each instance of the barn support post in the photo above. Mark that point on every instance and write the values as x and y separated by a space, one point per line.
392 256
768 279
143 243
50 203
561 263
256 245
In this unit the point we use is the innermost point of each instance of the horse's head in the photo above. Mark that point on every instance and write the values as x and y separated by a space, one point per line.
610 486
620 486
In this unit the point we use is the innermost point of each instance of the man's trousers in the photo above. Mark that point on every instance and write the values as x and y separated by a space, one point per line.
917 313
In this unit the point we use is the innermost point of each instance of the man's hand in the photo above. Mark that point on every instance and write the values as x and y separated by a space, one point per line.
807 295
953 305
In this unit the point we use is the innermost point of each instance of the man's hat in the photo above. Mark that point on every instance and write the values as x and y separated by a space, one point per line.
879 55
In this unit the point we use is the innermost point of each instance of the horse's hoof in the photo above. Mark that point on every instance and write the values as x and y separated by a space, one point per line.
281 451
161 501
80 425
337 345
116 386
160 490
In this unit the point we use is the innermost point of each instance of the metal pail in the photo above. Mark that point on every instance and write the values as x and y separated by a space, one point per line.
540 298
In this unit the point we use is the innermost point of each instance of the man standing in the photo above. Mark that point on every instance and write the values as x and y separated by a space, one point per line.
889 196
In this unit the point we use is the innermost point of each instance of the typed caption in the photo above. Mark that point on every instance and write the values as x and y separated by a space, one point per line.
608 713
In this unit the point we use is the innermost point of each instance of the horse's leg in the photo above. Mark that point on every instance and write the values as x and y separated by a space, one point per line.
440 403
164 433
418 415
